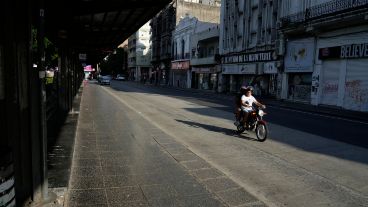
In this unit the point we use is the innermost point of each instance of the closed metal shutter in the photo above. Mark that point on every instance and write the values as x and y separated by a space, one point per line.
330 82
356 85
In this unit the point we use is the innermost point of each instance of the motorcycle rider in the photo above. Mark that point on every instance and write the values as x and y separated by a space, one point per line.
247 101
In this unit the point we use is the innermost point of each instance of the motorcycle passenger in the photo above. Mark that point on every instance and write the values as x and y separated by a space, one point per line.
247 101
238 105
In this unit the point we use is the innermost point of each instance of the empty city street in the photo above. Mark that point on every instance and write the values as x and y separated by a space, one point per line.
296 166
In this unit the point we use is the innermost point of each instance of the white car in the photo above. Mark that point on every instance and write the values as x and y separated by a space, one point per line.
120 77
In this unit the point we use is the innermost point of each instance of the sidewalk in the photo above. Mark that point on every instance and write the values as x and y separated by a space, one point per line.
320 109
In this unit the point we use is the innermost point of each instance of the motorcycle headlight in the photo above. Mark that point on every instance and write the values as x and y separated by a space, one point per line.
260 112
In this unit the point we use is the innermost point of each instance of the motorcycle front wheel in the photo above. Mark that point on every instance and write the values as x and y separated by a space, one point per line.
261 132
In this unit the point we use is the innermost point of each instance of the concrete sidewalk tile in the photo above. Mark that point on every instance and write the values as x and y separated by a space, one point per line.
237 197
220 184
86 205
254 204
177 150
201 201
85 155
116 170
130 204
154 192
195 164
166 202
186 157
125 194
189 188
87 197
171 145
152 179
86 162
86 171
120 181
84 183
203 174
116 161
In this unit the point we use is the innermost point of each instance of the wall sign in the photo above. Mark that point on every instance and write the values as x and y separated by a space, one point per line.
180 65
344 52
239 69
248 58
300 55
270 68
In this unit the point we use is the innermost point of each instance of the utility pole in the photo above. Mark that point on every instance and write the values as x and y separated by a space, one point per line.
42 75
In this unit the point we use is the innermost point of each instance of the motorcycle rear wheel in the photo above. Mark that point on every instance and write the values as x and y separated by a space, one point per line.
240 128
261 132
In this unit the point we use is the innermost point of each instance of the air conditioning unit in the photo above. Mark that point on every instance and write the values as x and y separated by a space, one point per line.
280 47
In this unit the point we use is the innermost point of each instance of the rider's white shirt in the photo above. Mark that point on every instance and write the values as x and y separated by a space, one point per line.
250 99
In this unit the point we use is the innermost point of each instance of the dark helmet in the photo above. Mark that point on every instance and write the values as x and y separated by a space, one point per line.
243 89
249 88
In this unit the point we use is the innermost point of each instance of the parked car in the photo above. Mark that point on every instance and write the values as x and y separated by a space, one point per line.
105 79
120 77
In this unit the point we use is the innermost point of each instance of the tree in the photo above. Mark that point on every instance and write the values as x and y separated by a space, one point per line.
51 52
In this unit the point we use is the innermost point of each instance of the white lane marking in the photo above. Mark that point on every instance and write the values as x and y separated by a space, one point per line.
321 115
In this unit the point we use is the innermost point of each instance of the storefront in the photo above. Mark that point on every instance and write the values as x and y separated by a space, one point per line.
256 69
342 75
268 81
205 78
299 66
180 74
237 75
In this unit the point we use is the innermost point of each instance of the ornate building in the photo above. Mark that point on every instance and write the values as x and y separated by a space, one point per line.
247 45
326 58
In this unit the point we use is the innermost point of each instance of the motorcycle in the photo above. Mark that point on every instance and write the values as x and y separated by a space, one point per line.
255 122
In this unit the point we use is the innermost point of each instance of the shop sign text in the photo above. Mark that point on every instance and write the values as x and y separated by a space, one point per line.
246 58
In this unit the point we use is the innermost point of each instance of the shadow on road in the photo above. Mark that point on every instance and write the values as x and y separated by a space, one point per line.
226 131
308 129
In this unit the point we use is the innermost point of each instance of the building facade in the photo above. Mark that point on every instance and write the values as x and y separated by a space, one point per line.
139 55
326 53
163 26
180 65
248 36
183 38
205 58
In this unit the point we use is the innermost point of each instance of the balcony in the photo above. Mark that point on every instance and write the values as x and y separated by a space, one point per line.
203 61
181 56
328 9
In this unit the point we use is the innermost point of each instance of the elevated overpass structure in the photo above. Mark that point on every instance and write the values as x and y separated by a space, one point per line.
91 27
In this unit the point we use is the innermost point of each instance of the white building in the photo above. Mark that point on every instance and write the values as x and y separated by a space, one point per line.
139 54
204 58
180 66
326 57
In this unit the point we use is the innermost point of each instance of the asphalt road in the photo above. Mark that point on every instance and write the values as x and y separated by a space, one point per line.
303 163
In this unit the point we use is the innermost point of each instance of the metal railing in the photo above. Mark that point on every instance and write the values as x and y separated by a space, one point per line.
325 9
182 56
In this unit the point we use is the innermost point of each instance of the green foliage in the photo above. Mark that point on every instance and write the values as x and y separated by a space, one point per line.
51 52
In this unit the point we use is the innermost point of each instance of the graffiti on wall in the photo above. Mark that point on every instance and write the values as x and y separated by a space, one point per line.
330 87
355 92
315 83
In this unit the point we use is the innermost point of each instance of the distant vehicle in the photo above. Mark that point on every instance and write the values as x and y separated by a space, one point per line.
120 77
105 79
